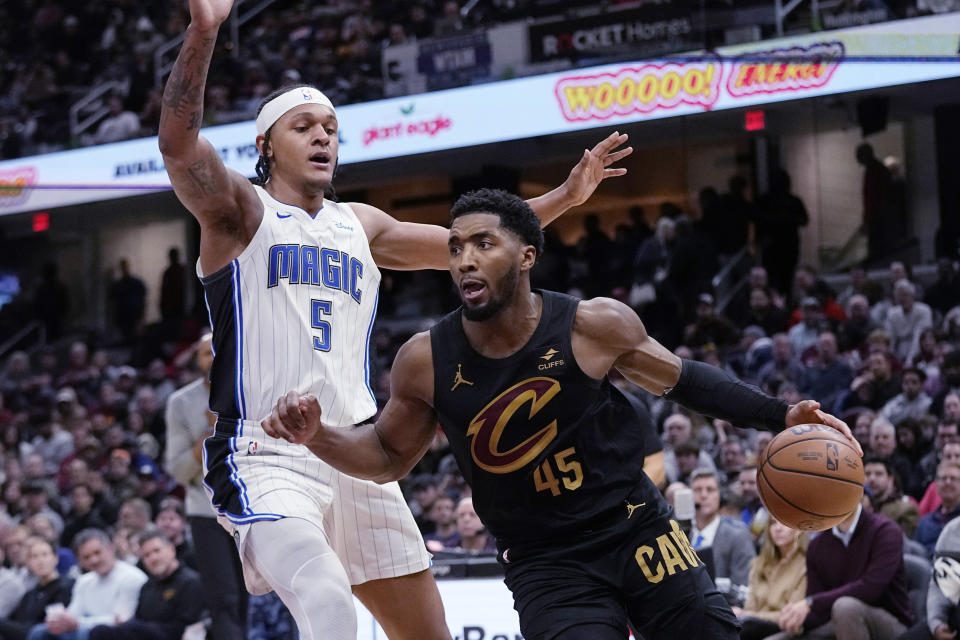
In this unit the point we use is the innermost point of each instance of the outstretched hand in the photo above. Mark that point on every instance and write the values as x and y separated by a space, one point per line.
295 418
594 167
209 14
808 412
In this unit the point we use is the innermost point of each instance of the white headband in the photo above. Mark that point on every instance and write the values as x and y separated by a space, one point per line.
274 110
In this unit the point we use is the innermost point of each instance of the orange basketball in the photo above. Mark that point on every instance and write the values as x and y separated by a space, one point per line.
810 478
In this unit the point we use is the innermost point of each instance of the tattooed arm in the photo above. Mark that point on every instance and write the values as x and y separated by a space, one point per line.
223 201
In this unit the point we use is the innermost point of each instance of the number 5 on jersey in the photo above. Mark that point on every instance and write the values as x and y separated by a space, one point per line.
319 309
544 478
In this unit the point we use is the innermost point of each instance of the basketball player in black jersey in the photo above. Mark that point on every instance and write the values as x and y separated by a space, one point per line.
551 449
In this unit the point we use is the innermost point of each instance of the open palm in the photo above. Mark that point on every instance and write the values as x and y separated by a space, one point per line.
209 14
594 167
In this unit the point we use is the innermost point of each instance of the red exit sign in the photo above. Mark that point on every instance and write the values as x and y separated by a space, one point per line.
41 222
754 120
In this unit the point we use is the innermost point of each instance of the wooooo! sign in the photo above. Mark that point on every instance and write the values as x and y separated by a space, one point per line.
642 89
698 83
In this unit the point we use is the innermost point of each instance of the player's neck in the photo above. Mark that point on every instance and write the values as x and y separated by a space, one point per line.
508 331
283 191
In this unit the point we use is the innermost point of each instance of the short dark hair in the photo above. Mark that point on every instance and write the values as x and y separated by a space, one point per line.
729 497
687 449
514 213
153 533
35 539
878 460
81 485
33 487
917 371
172 503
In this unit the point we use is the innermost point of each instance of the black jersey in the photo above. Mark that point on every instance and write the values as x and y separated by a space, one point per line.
545 447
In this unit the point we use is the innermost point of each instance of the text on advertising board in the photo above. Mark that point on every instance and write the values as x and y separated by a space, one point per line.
642 89
784 69
646 30
697 82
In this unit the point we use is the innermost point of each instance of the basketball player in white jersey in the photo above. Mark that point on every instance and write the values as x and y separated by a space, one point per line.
291 282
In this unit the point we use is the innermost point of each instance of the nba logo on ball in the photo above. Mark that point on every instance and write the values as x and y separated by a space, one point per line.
810 478
833 456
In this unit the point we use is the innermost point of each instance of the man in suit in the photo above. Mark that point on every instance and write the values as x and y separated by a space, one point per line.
728 539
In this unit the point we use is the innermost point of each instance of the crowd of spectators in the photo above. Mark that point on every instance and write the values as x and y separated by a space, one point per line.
83 433
85 425
54 53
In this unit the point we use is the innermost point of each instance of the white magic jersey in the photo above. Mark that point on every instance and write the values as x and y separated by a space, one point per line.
294 311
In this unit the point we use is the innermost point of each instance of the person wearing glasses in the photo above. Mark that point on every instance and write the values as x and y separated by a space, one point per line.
948 486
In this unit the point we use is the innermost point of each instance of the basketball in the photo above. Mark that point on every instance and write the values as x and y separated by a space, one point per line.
810 478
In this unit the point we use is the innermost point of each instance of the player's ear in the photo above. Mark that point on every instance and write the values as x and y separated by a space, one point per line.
263 146
528 257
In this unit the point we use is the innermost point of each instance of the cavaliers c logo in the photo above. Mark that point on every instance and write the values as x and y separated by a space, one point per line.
488 426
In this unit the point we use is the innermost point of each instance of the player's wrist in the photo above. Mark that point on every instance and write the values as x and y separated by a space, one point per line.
204 28
569 196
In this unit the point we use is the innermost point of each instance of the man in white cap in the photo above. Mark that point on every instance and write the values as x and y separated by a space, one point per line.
291 281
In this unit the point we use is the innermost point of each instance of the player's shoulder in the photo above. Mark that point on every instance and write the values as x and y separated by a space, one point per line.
417 346
374 220
412 369
599 317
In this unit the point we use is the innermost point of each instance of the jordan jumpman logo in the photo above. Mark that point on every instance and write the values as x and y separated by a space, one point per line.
633 507
459 379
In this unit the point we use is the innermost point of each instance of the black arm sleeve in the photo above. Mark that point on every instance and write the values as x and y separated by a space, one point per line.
714 392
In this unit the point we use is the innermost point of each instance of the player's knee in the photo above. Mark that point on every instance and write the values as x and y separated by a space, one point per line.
319 586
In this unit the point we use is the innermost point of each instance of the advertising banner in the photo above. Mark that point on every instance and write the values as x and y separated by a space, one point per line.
606 96
648 30
454 62
476 609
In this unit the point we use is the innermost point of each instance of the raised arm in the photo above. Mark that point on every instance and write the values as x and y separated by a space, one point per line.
592 169
382 452
223 201
608 332
409 245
